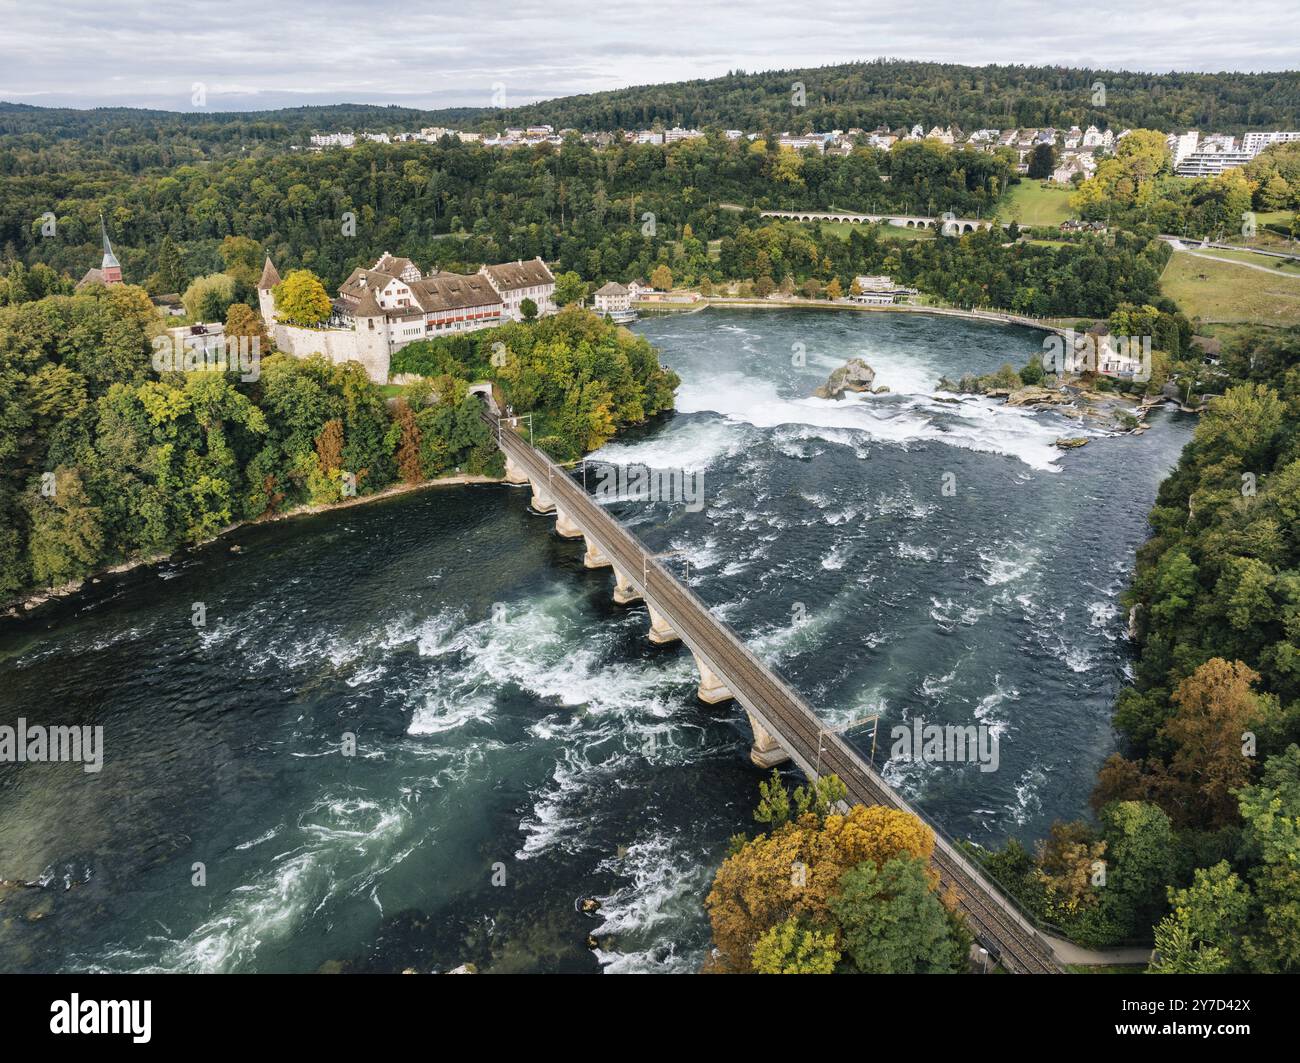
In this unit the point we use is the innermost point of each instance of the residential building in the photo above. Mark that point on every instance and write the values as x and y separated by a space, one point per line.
614 301
1254 143
517 281
1211 163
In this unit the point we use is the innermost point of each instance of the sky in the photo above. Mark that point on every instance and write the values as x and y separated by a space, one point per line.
257 54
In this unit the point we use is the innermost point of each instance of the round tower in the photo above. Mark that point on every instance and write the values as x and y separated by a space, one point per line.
265 296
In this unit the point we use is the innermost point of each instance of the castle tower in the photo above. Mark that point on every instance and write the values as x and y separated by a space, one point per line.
373 344
110 270
265 296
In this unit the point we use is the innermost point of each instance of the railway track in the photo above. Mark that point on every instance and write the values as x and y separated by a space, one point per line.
991 916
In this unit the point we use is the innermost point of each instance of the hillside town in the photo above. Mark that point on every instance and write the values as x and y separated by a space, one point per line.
1074 156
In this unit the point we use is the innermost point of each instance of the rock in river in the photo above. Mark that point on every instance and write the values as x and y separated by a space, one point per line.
853 375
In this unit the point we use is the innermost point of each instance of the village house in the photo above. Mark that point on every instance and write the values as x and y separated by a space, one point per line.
878 290
614 301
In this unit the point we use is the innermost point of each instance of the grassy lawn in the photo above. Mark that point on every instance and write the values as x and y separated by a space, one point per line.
1112 968
1030 203
1282 265
1220 291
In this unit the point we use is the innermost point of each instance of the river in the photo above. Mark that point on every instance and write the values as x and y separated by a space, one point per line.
519 744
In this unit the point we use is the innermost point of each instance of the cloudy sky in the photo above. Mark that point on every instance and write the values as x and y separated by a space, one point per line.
250 54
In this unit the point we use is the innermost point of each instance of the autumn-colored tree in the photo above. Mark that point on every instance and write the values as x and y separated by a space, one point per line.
243 321
794 947
329 446
409 465
794 871
66 528
662 278
1068 859
834 290
1215 708
301 299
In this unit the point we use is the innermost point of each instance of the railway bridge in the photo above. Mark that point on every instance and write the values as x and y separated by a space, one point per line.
784 725
903 221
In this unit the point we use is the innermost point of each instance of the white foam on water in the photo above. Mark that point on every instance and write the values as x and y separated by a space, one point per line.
664 888
914 552
342 842
1008 563
441 713
690 445
983 425
839 553
987 710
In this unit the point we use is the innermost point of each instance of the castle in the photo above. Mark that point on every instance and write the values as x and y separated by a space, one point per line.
381 309
110 271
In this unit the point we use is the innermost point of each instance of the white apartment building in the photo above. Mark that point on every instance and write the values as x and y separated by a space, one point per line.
1182 144
1254 143
1211 163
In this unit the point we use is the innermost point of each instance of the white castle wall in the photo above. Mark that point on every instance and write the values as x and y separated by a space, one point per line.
338 345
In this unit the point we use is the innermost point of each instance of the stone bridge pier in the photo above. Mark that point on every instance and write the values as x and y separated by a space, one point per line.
565 525
660 630
624 591
595 556
766 752
514 474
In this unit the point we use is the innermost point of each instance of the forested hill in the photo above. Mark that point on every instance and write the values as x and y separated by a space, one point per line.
868 94
894 93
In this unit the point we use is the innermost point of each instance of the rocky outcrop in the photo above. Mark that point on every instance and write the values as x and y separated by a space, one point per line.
853 375
1036 396
1071 442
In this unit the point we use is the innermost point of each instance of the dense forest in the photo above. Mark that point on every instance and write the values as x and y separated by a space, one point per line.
614 214
896 93
107 460
1196 828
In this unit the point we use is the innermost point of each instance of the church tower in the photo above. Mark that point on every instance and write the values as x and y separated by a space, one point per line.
265 296
110 270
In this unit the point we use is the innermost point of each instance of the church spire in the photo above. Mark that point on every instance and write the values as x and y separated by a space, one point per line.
111 268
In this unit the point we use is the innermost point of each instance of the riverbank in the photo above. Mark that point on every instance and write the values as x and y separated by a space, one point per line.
22 606
1056 324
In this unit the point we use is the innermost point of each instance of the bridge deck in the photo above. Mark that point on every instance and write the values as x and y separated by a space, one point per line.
991 916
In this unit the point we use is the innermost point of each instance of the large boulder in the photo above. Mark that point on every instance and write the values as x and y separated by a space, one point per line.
853 375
